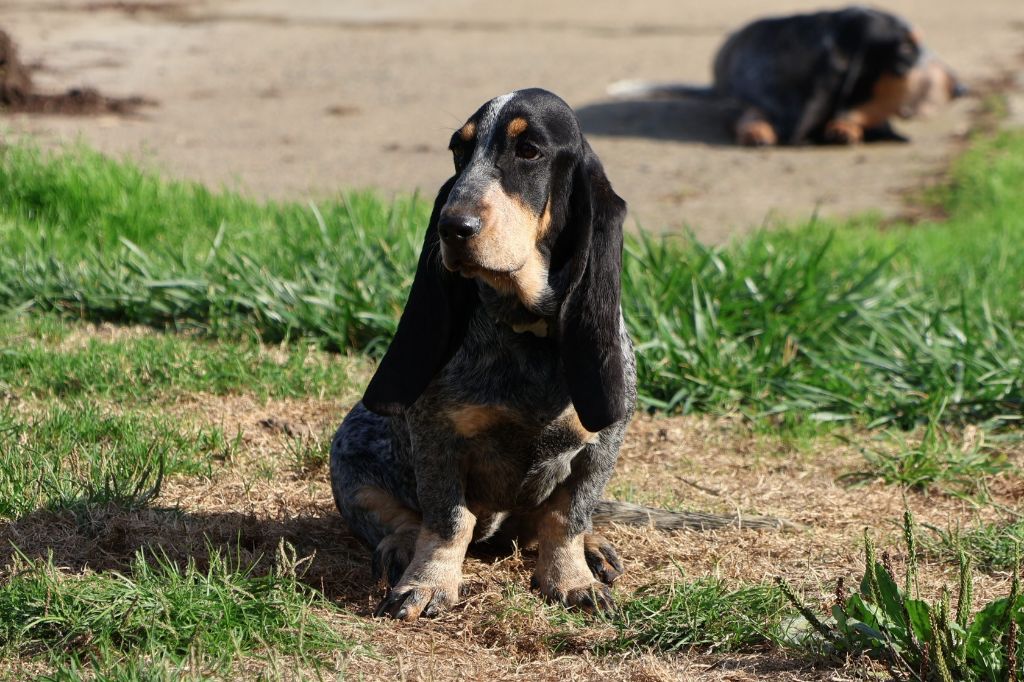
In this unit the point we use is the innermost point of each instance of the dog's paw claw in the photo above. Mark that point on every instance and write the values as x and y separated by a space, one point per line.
596 598
602 559
409 603
592 598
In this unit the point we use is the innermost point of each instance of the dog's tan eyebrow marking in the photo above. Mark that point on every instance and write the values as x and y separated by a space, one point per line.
516 126
468 131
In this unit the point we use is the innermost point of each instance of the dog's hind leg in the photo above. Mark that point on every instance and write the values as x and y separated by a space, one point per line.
374 492
753 129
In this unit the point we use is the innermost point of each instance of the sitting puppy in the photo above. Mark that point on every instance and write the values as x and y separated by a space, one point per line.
830 77
498 410
497 413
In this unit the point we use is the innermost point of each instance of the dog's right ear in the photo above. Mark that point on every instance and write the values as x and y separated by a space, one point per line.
431 328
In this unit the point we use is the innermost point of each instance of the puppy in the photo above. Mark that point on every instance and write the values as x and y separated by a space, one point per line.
498 410
835 77
497 413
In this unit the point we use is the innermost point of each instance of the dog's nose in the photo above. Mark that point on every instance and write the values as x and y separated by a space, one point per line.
457 228
960 90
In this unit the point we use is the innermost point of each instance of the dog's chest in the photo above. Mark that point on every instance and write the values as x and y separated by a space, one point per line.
517 431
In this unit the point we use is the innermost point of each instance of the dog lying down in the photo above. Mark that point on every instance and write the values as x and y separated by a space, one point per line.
835 77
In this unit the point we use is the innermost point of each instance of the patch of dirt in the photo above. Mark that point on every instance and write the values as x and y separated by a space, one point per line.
19 95
81 334
264 496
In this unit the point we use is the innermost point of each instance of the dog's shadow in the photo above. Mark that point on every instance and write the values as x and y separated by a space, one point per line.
103 540
330 558
696 121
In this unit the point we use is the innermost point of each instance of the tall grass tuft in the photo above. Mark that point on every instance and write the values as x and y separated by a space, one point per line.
75 456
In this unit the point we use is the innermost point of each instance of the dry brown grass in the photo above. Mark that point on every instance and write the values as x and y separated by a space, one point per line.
265 495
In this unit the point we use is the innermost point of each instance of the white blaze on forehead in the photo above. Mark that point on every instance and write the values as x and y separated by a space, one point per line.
485 129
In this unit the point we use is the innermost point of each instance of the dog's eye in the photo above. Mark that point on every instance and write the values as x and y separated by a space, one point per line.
526 150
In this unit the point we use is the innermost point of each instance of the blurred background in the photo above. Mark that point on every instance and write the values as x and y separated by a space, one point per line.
296 99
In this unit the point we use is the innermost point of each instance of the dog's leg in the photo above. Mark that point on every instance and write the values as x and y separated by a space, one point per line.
563 572
431 582
862 121
369 484
753 129
574 565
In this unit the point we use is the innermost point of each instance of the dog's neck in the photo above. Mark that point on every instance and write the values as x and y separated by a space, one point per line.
508 310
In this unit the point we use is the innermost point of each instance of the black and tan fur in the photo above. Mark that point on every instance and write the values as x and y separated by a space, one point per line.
498 410
830 77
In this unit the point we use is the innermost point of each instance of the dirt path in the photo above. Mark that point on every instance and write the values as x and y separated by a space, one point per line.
297 99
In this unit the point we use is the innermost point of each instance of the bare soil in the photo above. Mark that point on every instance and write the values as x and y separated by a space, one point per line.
18 94
301 99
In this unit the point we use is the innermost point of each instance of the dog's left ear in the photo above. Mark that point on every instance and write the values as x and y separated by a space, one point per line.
588 322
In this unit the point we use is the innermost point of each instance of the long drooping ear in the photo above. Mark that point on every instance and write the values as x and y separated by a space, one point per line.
588 321
430 330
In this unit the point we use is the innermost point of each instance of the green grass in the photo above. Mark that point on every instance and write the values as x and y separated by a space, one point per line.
821 323
72 456
992 546
705 613
103 239
34 362
163 614
936 461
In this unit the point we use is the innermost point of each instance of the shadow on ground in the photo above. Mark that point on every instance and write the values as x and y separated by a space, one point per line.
109 539
683 120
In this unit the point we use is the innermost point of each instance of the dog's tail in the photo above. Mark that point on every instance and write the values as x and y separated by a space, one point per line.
611 511
635 89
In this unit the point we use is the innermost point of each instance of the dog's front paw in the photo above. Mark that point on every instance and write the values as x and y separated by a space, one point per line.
409 602
839 131
589 595
754 130
756 134
602 559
